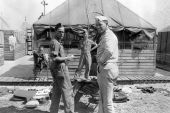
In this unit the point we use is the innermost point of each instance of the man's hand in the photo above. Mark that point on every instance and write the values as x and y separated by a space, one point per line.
70 57
100 67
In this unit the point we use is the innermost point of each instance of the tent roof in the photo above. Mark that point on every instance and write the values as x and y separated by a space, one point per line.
73 12
166 29
3 24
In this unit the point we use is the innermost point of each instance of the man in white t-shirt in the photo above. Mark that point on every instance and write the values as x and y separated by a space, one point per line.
12 42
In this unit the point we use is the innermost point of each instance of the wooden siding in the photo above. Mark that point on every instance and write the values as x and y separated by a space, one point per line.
130 63
19 49
1 48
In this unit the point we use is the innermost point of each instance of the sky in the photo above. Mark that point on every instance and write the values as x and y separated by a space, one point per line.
14 11
154 11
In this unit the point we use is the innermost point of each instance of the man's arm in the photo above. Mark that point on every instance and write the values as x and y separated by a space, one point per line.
55 53
60 59
93 43
109 45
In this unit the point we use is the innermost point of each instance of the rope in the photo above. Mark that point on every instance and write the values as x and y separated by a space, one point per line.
102 6
68 35
68 13
121 24
86 7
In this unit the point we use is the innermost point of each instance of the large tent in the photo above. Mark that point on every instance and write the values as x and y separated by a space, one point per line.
83 12
128 26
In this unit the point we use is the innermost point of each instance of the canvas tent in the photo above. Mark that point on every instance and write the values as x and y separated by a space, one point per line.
77 12
163 51
122 21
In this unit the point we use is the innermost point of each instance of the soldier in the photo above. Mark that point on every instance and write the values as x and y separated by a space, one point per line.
85 58
107 58
62 85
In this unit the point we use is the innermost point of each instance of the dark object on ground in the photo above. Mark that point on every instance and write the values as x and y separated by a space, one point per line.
39 63
164 91
13 109
147 89
16 98
4 91
86 87
24 93
120 97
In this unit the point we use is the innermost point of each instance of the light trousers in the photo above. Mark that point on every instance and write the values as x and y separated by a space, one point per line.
106 79
85 59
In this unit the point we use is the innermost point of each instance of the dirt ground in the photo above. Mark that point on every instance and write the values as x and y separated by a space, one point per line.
139 102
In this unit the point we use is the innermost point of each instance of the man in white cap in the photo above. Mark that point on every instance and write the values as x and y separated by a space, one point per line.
85 57
62 85
107 57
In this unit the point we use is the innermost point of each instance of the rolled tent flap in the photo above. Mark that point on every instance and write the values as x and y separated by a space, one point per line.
150 33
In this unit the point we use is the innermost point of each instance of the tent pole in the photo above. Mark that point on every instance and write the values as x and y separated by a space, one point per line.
102 6
68 35
86 7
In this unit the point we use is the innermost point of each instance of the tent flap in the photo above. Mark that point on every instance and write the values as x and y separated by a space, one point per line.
83 12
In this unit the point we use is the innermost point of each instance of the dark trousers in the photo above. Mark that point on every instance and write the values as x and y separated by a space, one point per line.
62 87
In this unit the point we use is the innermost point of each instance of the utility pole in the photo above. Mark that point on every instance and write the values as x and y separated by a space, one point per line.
44 4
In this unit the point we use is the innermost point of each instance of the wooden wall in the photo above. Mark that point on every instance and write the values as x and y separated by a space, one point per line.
131 62
136 62
20 45
163 51
1 48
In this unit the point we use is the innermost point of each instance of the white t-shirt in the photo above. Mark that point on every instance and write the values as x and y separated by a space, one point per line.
12 40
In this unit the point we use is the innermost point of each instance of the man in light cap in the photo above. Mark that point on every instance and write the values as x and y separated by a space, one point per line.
107 57
85 57
62 85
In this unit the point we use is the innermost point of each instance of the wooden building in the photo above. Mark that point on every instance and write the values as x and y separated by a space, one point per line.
163 51
1 48
19 50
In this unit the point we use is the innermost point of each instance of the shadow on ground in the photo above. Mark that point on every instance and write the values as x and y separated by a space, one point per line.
13 109
31 59
24 72
19 71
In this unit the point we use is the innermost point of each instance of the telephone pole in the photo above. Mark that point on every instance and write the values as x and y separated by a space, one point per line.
44 4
